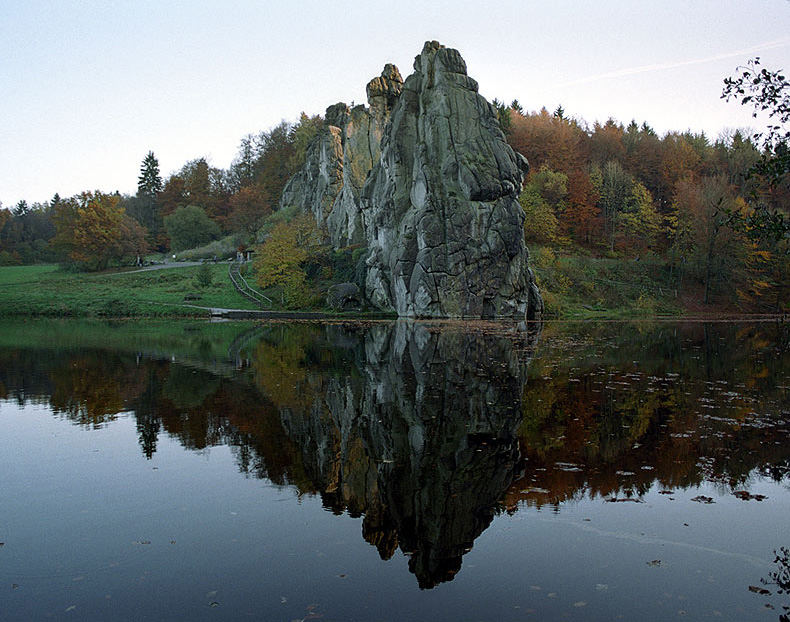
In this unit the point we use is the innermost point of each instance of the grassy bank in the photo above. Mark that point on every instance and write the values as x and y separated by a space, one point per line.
46 290
573 285
581 286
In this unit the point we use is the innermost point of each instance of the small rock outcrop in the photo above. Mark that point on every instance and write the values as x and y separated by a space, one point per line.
425 179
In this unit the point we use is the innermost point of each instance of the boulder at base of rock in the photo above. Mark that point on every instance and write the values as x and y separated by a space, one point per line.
344 296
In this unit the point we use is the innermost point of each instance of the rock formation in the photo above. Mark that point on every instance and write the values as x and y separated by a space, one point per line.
338 161
425 179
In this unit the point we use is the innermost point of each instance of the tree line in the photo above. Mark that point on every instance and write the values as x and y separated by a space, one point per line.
191 207
714 211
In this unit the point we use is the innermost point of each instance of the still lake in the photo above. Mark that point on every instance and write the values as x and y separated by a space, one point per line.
394 471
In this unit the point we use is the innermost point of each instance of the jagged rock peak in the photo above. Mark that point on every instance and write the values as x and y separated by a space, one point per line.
450 59
388 85
442 220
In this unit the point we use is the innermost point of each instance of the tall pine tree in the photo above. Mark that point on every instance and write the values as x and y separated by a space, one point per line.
146 208
150 181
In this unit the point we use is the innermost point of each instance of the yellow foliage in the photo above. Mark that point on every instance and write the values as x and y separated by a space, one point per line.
278 260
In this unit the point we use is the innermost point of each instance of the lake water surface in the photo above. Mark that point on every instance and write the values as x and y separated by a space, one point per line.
394 471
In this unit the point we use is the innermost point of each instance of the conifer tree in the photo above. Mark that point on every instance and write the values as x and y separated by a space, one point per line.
150 181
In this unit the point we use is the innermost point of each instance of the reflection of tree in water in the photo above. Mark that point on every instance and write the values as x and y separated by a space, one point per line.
674 406
429 431
778 581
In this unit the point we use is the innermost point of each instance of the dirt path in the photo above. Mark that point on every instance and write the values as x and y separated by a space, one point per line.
161 266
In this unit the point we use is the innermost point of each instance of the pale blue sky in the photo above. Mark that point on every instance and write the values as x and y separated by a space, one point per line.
88 88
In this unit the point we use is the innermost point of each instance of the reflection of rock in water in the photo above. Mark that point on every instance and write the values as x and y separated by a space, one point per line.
421 437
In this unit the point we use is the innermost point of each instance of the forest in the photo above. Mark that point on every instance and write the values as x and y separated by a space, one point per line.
706 218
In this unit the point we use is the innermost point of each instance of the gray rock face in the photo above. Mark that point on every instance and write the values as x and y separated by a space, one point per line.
425 179
338 161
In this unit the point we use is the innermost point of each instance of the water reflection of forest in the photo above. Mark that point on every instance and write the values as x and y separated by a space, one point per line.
430 430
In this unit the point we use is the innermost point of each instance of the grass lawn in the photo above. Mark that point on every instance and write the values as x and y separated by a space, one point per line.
46 290
576 286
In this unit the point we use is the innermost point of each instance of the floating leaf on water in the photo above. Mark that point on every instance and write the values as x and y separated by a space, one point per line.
654 563
745 495
71 608
703 499
759 590
601 587
580 603
213 603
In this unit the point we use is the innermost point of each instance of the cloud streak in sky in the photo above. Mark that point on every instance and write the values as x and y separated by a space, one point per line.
632 71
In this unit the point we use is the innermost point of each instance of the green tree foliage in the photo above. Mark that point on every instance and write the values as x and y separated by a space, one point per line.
613 185
189 227
145 207
201 185
274 164
204 276
25 234
542 199
639 221
149 183
263 165
242 169
711 247
92 232
503 114
540 223
279 261
301 136
767 92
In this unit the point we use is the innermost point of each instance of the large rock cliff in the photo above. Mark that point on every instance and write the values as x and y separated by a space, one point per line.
425 179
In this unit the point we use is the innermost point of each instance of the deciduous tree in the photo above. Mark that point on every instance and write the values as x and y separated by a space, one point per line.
92 231
189 227
278 261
